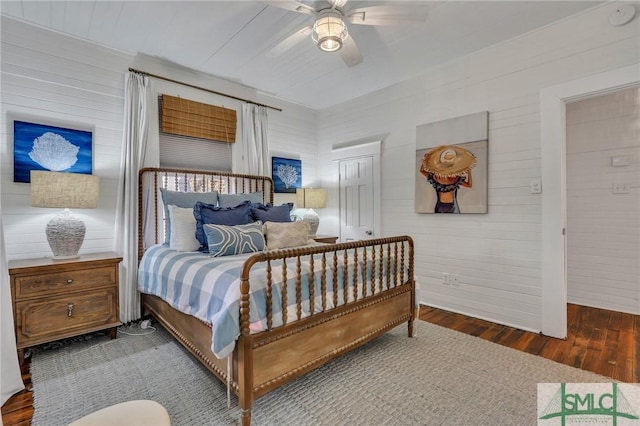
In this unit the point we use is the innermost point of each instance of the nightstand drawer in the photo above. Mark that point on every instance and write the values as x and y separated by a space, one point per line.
63 282
53 318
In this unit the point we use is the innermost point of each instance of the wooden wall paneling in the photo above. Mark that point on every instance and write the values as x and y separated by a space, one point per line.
505 80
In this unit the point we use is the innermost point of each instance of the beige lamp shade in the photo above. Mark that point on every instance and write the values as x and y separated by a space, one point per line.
64 190
311 198
65 232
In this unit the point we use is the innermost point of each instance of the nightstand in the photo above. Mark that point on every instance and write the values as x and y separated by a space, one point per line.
328 239
56 299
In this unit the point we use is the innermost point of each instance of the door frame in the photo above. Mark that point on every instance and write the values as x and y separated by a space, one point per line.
553 101
368 149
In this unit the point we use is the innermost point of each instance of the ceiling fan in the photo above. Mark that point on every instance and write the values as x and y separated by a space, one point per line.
329 30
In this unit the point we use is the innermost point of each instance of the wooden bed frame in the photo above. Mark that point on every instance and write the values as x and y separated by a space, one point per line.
264 361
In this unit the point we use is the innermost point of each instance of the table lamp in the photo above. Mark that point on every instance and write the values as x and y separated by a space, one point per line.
65 232
311 198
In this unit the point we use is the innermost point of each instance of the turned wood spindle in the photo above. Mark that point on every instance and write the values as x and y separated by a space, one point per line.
298 289
335 279
323 281
355 274
285 301
345 276
269 296
312 286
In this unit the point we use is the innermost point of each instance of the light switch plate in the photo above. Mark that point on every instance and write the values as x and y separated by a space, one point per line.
536 186
620 161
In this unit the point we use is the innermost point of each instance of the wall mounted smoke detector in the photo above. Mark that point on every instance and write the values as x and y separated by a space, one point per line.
623 15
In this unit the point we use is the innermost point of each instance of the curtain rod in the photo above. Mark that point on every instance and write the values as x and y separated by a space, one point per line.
201 88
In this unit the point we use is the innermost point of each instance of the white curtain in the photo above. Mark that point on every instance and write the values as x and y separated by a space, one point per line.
10 377
137 94
255 144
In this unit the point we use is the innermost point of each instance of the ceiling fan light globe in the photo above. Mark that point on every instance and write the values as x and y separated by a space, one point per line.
329 32
330 44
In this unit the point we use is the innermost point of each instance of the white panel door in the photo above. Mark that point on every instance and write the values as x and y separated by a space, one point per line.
356 199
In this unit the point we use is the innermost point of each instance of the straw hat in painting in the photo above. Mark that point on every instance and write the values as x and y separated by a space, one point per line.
448 160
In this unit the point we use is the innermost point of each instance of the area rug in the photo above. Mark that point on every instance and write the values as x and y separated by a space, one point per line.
439 377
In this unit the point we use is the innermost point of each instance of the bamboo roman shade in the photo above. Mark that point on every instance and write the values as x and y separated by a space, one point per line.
190 118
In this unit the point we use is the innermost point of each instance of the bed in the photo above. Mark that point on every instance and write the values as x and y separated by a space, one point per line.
289 310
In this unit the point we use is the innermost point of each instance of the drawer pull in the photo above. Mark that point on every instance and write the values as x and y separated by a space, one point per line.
70 310
69 281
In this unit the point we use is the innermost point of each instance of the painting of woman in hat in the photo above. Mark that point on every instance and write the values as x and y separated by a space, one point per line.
448 168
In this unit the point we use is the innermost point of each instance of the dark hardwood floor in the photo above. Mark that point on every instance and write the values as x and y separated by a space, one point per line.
598 340
605 342
18 410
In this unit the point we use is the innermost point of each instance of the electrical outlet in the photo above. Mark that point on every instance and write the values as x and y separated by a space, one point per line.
621 188
446 278
454 279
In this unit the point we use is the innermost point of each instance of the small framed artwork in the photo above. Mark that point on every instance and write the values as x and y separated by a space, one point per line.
49 148
286 174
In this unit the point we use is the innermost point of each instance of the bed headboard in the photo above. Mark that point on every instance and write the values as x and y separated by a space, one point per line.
150 180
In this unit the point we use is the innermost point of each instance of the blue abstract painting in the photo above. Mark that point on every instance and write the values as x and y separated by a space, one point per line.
49 148
286 174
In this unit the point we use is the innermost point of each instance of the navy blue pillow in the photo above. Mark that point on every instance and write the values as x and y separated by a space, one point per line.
269 213
208 213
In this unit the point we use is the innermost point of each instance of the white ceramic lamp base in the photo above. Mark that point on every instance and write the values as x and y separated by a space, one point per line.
65 234
314 220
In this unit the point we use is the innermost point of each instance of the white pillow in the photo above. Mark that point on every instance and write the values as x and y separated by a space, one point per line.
183 229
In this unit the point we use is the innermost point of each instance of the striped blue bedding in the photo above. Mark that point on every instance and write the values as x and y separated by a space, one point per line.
208 288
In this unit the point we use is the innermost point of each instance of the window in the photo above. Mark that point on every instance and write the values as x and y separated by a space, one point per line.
195 135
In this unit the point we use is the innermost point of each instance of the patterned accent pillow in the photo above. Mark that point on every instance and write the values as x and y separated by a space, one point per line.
230 216
226 240
269 213
183 229
232 200
184 200
286 234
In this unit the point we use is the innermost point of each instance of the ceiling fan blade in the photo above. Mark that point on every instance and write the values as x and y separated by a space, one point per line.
350 53
387 15
289 42
293 6
337 3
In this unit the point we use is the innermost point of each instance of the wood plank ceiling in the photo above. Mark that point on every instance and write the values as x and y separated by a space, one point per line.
232 39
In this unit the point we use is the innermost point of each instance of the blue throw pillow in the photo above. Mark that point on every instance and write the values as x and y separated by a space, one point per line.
229 240
184 200
232 200
230 216
269 213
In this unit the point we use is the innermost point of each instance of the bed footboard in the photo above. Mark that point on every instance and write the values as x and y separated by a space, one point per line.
378 295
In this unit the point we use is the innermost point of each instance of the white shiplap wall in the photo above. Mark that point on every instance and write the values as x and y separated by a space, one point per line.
497 255
54 79
293 134
51 79
603 227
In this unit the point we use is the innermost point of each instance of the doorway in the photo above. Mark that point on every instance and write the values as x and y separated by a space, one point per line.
553 146
603 201
359 190
356 198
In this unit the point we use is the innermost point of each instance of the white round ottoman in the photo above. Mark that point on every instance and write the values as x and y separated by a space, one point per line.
131 413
